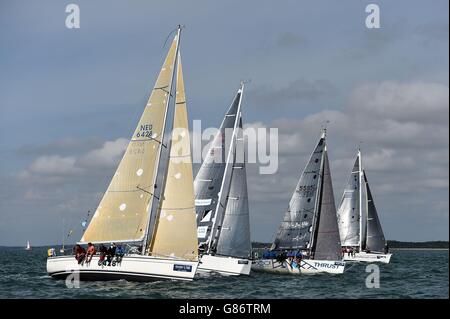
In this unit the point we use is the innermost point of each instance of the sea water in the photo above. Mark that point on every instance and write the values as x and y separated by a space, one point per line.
411 274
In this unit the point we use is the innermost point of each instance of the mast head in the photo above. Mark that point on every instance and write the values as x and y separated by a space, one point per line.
243 82
324 129
359 148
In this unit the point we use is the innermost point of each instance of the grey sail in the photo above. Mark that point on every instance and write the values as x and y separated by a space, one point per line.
327 244
349 209
295 231
375 238
212 176
234 239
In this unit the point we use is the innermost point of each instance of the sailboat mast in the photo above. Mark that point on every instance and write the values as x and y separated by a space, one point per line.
149 229
230 151
360 176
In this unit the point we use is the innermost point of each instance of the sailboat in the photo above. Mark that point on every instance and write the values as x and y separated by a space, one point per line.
150 200
359 226
308 241
221 200
28 246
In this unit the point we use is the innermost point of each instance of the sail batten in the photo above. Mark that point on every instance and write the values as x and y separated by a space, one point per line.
123 215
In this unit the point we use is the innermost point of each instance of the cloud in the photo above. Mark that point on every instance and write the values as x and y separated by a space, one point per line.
55 169
106 156
405 155
54 165
299 89
405 102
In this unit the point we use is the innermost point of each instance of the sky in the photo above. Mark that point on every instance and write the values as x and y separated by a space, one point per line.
70 100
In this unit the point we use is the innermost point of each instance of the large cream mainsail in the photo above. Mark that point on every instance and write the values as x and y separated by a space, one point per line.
124 211
176 229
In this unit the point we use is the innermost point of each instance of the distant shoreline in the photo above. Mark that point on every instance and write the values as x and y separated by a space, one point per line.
393 245
418 248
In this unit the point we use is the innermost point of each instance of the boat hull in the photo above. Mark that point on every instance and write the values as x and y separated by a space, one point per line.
308 266
131 267
368 257
227 266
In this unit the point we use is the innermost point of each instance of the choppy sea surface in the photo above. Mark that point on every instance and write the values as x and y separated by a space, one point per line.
411 274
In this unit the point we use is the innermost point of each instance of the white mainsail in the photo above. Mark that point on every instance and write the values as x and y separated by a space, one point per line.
213 181
124 211
349 209
359 224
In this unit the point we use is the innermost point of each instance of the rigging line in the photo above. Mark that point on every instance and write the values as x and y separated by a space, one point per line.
181 26
353 265
145 191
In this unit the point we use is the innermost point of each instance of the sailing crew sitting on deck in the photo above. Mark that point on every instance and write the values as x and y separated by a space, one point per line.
102 249
110 253
119 253
80 253
281 256
386 248
51 252
295 263
350 251
90 252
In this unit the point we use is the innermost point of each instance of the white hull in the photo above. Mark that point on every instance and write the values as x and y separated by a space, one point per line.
132 267
368 257
308 266
228 266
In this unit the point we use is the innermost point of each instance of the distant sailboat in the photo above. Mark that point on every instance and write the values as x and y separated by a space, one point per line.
309 230
28 246
222 200
359 225
150 200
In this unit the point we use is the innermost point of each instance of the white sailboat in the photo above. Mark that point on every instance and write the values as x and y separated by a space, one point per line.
150 200
222 201
361 234
308 241
28 245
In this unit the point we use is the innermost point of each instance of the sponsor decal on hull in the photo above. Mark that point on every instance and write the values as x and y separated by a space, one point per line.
185 268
